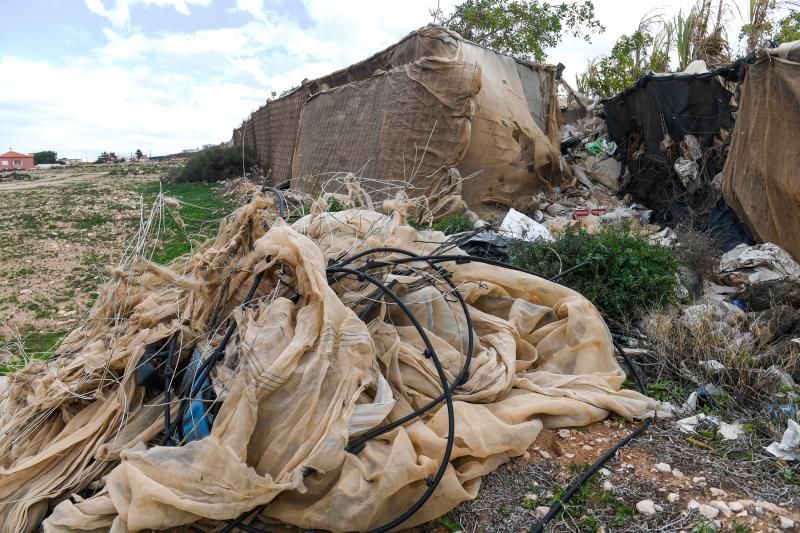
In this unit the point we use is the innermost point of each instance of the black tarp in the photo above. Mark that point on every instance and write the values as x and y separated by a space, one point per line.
676 104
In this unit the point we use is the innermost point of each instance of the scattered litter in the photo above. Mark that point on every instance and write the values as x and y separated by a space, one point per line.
520 226
787 448
761 262
688 172
601 146
730 431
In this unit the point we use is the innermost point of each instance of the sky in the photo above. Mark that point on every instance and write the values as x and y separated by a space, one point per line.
85 76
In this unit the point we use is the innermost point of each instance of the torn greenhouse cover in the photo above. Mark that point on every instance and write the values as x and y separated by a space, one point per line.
301 383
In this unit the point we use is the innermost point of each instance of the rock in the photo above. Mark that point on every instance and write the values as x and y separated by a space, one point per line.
677 473
742 514
722 506
543 453
530 497
770 507
607 485
747 504
736 507
646 507
787 523
569 455
698 479
605 472
716 525
708 511
659 508
693 505
587 447
664 468
564 433
717 493
673 497
526 456
542 510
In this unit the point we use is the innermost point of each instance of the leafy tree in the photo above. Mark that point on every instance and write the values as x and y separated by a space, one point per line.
522 28
45 157
102 158
138 154
629 59
789 28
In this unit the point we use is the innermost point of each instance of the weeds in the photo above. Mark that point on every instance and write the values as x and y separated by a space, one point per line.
215 164
625 275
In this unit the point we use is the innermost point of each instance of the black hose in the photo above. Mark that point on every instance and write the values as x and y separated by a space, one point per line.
357 445
458 259
429 352
281 200
168 373
575 486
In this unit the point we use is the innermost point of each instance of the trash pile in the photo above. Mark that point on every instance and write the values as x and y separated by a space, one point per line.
345 372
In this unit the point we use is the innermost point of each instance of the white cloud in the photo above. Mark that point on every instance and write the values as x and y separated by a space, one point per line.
171 90
120 13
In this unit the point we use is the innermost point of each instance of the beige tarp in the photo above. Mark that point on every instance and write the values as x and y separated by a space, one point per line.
761 180
302 375
431 102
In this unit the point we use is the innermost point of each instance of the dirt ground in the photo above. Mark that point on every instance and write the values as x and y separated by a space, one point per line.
58 232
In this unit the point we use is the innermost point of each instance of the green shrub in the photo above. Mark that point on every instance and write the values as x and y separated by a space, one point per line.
626 275
455 223
214 164
449 224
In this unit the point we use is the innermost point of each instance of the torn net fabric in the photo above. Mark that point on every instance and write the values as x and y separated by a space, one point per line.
302 376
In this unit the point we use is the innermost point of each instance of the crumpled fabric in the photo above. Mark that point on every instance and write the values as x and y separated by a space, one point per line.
302 375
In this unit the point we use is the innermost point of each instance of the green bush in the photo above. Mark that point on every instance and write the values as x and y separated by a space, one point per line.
626 275
215 164
449 224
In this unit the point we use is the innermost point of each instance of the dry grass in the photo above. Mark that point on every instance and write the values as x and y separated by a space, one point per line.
713 344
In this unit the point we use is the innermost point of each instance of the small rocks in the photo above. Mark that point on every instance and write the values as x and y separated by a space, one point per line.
698 479
545 455
693 505
564 433
721 506
736 507
605 472
664 468
607 485
542 510
672 497
718 493
569 455
587 447
677 474
787 523
646 507
708 511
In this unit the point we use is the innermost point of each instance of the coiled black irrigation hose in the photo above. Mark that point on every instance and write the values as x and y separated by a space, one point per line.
339 271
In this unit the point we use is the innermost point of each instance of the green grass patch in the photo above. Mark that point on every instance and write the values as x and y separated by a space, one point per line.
92 221
36 345
202 207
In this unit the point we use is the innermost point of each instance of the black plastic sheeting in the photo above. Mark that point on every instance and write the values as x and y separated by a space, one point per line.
677 104
640 117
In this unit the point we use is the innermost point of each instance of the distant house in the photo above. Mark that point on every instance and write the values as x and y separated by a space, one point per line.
12 160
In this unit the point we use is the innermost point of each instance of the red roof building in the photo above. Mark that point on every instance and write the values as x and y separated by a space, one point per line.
12 160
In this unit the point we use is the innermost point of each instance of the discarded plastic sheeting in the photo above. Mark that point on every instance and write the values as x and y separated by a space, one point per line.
746 265
300 376
521 226
760 180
